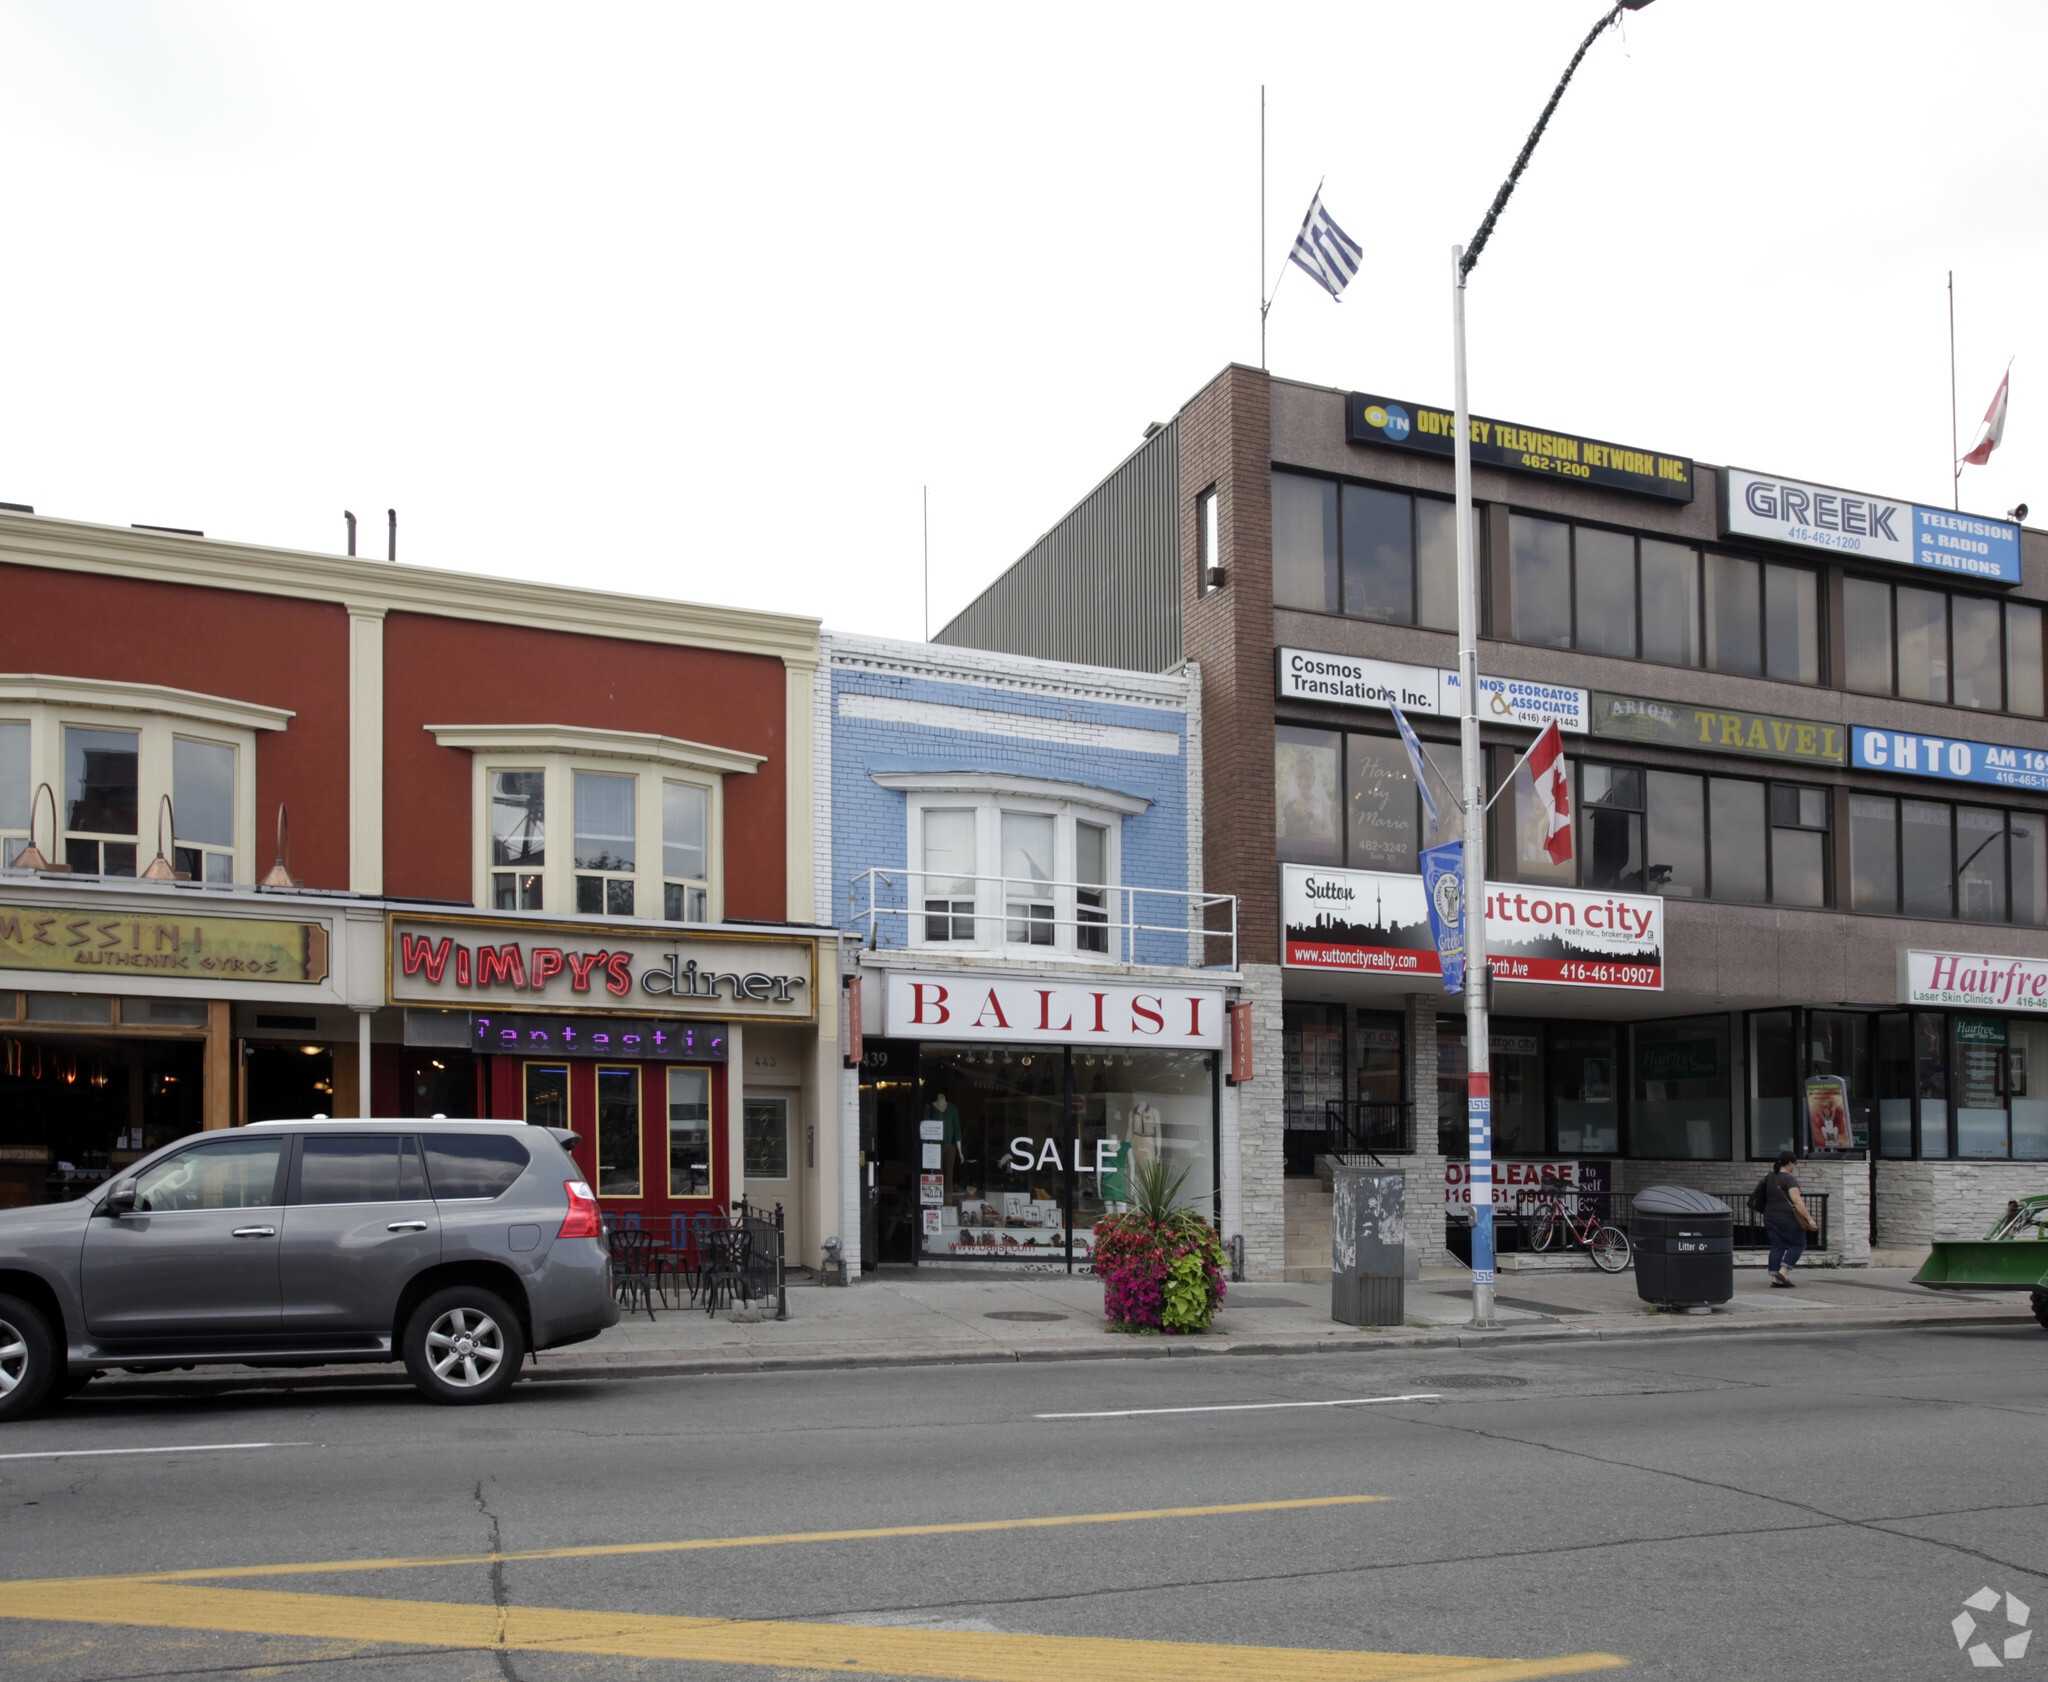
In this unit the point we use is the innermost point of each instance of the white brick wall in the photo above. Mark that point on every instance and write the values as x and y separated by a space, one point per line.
1426 1167
1918 1202
1261 1136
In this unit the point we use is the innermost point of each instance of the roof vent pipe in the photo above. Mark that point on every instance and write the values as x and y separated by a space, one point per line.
351 519
392 539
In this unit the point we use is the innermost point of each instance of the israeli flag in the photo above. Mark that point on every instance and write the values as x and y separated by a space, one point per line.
1325 250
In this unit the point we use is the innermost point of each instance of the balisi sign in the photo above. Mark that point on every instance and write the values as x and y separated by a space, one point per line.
1031 1011
1571 456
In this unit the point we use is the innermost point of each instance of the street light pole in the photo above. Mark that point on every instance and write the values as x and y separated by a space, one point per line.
1478 1046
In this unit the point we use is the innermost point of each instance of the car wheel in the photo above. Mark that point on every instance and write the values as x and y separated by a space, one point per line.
463 1345
2041 1308
28 1358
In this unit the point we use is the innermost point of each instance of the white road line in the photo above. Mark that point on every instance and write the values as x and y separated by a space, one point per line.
1241 1407
176 1448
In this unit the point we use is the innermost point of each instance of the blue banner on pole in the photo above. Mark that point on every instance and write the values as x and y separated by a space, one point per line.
1443 887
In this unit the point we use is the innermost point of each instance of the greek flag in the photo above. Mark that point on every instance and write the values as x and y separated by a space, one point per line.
1325 250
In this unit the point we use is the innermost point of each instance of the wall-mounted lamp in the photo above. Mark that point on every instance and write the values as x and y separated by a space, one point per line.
280 873
33 857
160 869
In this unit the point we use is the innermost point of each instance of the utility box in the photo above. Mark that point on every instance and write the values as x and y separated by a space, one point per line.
1368 1245
1685 1246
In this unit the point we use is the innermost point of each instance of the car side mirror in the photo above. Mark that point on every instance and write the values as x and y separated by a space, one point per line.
120 1200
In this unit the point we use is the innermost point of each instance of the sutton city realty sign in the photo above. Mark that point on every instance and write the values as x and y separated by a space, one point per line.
1376 922
578 968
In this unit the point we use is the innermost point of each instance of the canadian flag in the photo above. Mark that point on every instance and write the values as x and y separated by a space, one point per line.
1992 433
1553 792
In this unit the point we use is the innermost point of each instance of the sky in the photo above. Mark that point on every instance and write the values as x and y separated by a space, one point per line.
696 301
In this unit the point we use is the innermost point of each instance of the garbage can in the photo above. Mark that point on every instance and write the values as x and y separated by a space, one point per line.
1368 1245
1685 1246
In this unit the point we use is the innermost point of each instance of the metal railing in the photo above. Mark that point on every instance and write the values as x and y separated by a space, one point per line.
1617 1208
765 1274
943 912
1346 1127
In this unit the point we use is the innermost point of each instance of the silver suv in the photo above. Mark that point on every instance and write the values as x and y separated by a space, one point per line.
455 1246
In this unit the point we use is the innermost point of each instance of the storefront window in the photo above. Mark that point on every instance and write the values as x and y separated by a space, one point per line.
286 1082
1773 1084
1380 803
1930 1082
1682 1105
2026 1069
766 1123
1312 1078
1159 1104
618 1132
993 1153
1582 1073
1516 1064
547 1094
101 774
1980 1086
1895 1084
76 1109
689 1133
1838 1044
1305 778
1378 1061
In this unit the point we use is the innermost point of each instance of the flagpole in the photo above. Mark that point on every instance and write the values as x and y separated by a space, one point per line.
1955 463
1264 303
927 563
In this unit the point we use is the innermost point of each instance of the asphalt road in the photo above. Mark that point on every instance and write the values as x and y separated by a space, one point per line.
1701 1507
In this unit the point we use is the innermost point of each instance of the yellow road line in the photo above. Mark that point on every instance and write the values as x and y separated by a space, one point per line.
960 1656
611 1549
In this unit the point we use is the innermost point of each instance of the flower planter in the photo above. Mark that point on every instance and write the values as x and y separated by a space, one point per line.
1163 1277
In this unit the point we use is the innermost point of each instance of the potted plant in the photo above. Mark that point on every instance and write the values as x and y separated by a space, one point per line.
1161 1265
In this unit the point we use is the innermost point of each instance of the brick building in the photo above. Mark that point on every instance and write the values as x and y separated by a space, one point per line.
522 850
1807 905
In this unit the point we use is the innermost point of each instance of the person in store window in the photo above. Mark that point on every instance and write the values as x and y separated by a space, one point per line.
1786 1219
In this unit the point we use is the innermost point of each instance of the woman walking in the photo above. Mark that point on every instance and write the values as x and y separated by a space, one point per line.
1786 1219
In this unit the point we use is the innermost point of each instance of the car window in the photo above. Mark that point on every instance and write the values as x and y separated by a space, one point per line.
359 1168
234 1174
463 1165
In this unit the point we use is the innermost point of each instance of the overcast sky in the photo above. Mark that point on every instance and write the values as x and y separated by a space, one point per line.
692 300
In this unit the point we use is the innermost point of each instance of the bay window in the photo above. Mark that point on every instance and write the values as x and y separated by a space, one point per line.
643 816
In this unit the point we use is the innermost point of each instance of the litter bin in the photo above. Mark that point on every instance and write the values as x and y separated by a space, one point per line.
1368 1245
1685 1246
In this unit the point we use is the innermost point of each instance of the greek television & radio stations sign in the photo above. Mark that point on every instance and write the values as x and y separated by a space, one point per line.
1307 674
1946 757
1570 456
1873 528
1375 922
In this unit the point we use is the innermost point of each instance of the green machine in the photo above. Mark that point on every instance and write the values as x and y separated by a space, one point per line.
2012 1256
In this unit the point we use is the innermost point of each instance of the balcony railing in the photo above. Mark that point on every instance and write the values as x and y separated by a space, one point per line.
908 910
1346 1127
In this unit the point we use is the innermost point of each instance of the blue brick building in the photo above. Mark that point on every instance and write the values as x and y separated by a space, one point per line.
1044 989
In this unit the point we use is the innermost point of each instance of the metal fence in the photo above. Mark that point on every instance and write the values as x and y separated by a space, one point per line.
765 1275
1346 1127
1617 1208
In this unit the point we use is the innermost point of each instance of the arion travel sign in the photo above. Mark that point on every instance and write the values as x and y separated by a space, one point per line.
1373 922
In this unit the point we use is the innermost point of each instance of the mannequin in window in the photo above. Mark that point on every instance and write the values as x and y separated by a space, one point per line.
947 1114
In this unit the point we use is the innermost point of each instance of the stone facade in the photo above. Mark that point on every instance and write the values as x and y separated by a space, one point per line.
1918 1202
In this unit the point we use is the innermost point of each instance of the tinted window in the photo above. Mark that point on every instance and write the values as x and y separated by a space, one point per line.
359 1168
1304 543
235 1174
473 1164
1540 564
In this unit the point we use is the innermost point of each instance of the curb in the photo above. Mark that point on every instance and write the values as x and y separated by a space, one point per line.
545 1371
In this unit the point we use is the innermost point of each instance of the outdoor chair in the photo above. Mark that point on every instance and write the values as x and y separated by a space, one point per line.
633 1278
725 1270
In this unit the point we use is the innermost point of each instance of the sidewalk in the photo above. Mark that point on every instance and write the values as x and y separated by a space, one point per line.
951 1316
920 1317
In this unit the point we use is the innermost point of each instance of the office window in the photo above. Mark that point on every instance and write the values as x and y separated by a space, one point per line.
1611 828
1532 860
1380 804
1208 540
1976 676
685 870
101 779
1792 624
1304 543
1676 856
1926 858
15 788
1980 864
1436 564
1873 852
2024 692
1734 619
1867 635
1737 867
1540 582
1001 868
1799 845
1604 591
1027 878
2028 858
606 842
1379 554
1922 619
519 834
1671 603
1091 892
1306 779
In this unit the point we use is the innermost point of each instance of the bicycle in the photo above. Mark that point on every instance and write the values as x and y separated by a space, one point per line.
1546 1218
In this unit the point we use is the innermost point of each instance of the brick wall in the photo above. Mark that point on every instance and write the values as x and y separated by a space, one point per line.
1261 1136
1918 1202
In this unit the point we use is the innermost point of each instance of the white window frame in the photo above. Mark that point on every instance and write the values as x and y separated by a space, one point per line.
559 752
989 797
158 716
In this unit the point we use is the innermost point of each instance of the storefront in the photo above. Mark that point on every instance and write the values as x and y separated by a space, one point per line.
1001 1116
687 1064
128 1018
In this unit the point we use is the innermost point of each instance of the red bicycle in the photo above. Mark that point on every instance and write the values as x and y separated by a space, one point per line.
1567 1220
